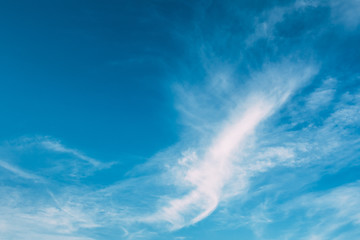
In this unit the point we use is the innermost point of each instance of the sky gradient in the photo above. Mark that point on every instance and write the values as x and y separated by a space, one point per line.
180 120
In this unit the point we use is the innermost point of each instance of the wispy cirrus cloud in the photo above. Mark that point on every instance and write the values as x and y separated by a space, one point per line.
30 209
53 145
329 212
28 212
208 171
310 153
19 172
65 161
58 147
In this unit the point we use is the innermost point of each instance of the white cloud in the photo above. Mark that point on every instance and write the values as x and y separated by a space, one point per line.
52 157
217 170
322 96
19 172
29 213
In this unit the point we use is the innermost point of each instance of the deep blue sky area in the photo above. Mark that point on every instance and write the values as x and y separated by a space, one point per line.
180 120
89 73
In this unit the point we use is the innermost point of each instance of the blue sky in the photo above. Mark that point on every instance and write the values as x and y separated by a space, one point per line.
180 120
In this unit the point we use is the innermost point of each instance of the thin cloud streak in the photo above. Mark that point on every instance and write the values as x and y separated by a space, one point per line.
58 147
19 172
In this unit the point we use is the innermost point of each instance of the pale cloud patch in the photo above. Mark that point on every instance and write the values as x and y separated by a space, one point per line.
265 28
31 214
346 12
330 211
323 95
265 24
